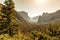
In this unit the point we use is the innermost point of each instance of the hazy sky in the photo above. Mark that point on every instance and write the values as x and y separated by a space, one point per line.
36 7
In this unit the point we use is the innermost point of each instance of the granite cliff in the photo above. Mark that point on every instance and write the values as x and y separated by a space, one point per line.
24 15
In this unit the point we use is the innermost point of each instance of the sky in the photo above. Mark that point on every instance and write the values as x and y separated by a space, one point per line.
36 7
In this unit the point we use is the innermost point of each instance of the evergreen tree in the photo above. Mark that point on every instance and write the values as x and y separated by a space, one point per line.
11 14
3 21
9 11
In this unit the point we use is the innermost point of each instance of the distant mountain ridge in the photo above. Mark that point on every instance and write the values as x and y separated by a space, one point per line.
47 17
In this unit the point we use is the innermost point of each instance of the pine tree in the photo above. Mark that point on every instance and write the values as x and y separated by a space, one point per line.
3 21
9 11
11 14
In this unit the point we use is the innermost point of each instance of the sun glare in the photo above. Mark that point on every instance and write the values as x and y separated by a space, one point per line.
40 1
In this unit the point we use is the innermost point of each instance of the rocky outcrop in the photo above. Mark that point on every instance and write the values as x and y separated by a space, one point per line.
24 15
48 17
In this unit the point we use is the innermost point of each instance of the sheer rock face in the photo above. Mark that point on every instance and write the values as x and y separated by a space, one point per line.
24 15
48 17
35 19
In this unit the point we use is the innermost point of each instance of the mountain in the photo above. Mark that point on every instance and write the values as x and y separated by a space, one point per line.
24 15
49 17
